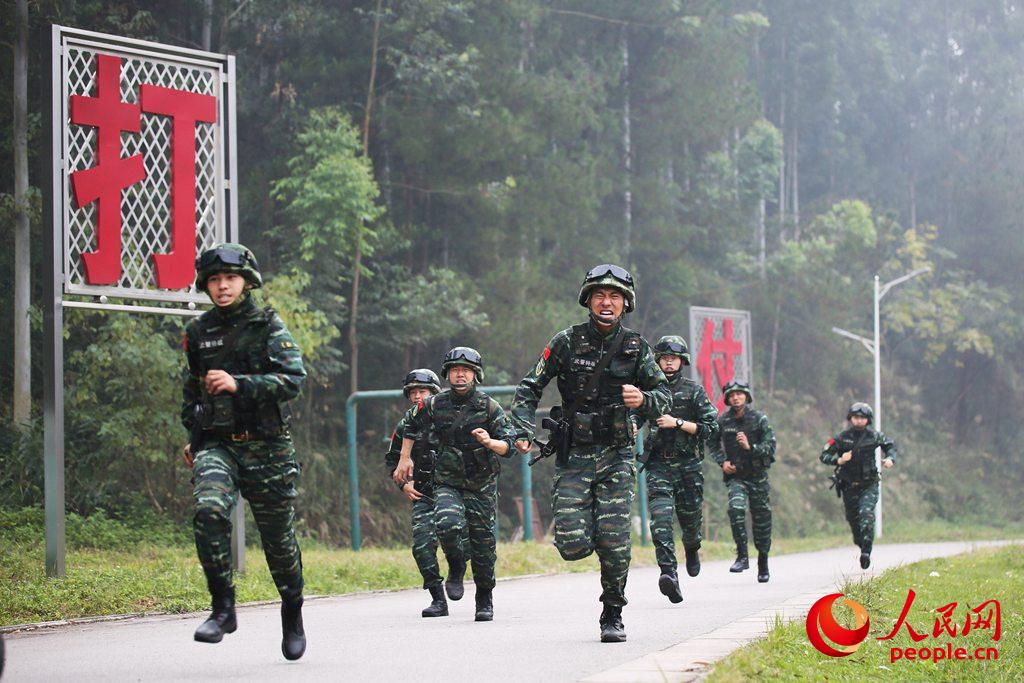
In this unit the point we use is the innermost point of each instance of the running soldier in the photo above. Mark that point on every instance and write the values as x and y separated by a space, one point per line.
745 449
852 453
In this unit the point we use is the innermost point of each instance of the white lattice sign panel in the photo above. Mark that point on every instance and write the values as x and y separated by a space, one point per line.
145 164
720 349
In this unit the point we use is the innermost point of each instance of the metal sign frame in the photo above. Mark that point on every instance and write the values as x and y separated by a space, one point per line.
743 362
75 147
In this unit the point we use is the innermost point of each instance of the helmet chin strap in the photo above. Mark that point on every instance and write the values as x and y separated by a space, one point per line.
671 375
599 321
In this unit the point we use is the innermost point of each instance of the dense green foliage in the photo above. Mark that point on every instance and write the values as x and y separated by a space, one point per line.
509 145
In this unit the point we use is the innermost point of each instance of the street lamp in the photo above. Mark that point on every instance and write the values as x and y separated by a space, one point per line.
874 347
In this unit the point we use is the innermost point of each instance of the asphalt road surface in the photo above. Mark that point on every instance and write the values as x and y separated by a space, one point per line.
545 629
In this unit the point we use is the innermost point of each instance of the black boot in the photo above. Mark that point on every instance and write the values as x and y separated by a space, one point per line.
221 620
293 636
762 567
438 605
742 562
484 605
693 561
453 585
668 582
612 630
865 560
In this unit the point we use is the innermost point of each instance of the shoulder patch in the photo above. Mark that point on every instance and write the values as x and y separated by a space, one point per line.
831 442
547 352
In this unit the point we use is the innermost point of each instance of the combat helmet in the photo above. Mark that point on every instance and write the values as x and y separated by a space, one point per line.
737 385
463 355
672 345
862 409
421 378
609 275
228 257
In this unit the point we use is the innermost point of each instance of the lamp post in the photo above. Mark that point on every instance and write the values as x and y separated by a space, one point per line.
874 347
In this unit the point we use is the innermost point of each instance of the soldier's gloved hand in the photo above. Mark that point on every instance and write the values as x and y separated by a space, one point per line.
728 467
403 472
631 396
218 381
741 439
186 454
410 492
887 463
666 422
845 457
523 445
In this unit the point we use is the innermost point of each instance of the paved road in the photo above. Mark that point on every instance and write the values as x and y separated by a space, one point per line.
545 629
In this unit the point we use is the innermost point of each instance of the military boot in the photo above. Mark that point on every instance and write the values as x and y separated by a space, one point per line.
762 567
693 561
438 605
453 585
865 560
612 630
293 636
668 582
221 620
742 561
484 605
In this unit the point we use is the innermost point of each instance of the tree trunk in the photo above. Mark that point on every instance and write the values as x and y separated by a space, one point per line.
353 322
22 276
762 242
782 129
775 347
627 152
796 183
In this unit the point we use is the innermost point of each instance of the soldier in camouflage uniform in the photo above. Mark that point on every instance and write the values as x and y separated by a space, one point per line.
852 453
745 449
595 476
462 420
674 451
419 385
243 366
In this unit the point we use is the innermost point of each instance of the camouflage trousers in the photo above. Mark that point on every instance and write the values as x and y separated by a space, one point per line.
859 503
265 473
591 498
753 494
675 488
424 543
460 510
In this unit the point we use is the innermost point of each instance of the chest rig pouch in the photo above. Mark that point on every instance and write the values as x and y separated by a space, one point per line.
671 442
861 468
600 416
746 464
455 433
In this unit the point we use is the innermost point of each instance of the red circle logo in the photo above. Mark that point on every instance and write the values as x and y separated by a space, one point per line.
821 625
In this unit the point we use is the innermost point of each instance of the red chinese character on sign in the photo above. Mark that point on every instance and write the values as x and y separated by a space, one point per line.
716 361
985 621
176 269
914 635
104 182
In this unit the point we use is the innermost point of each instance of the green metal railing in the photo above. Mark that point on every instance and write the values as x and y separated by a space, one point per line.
351 415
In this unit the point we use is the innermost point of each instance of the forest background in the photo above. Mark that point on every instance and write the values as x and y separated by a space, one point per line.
417 174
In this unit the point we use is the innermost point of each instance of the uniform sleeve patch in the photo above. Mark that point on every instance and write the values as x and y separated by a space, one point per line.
831 442
547 352
184 341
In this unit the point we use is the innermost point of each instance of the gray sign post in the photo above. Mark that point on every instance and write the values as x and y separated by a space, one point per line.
127 229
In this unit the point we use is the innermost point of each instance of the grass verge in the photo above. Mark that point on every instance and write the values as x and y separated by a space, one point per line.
967 580
114 568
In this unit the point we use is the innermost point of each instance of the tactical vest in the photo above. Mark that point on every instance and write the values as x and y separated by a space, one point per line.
601 417
669 443
747 466
455 432
861 468
221 346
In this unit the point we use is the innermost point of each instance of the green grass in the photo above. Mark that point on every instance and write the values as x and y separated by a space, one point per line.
786 654
114 568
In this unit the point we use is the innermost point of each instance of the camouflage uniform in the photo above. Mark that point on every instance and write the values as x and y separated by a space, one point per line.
245 445
748 488
593 488
466 474
675 480
858 478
